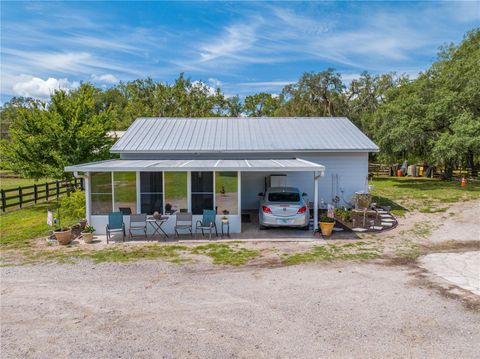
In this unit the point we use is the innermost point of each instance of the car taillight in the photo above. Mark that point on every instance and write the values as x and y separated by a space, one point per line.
302 210
265 209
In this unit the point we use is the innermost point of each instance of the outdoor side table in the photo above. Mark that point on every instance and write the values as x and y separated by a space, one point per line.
156 224
225 223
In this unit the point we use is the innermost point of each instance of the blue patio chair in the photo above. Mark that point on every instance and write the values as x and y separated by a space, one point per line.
115 225
207 223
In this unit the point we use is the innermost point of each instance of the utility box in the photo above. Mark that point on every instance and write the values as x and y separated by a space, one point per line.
277 180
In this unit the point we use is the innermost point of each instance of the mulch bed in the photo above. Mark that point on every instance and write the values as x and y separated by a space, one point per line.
371 220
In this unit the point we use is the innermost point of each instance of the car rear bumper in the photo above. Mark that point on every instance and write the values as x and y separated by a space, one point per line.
268 220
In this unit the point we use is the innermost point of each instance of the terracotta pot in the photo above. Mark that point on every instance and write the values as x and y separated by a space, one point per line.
87 237
63 236
327 228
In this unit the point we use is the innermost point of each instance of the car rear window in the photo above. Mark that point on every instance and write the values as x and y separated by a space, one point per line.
283 197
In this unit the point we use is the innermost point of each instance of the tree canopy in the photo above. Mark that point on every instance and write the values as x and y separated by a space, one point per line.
433 118
43 140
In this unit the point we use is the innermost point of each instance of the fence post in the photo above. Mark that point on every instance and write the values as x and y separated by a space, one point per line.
46 191
35 193
20 199
58 189
69 188
4 202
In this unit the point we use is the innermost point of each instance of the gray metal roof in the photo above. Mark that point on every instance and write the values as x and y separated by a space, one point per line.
240 134
271 165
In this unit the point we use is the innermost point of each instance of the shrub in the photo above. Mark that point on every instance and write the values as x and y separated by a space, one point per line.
343 213
326 219
89 229
74 205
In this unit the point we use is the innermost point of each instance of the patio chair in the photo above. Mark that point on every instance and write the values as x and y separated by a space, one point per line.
207 223
115 225
138 222
184 222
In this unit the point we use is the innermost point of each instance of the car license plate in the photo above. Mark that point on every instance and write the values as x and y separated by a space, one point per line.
284 221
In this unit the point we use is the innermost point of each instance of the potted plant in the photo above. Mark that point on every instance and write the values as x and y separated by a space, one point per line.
326 225
343 214
87 234
63 235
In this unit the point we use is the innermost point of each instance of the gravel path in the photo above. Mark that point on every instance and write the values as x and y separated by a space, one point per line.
158 310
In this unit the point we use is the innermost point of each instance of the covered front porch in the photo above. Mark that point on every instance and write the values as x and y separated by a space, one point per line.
169 187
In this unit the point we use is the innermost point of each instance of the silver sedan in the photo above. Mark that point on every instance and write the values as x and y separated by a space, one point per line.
283 207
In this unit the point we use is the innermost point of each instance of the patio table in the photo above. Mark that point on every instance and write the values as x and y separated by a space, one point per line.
156 224
226 223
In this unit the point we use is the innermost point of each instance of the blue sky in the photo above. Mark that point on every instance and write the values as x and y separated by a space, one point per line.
243 47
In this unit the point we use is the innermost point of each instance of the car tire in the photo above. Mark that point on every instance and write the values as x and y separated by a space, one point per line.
306 228
262 228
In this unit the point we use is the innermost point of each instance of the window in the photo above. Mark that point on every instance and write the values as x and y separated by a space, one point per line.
284 197
226 192
151 192
101 188
176 191
125 190
202 191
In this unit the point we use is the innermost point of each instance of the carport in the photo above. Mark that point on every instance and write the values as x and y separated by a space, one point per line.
124 175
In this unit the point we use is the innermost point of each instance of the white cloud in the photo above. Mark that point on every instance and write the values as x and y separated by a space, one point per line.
234 40
107 78
215 83
71 63
266 84
30 86
212 90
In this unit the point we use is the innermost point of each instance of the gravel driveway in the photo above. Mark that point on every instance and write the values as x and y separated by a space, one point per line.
152 309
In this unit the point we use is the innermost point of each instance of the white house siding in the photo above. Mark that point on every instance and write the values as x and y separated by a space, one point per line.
352 171
351 168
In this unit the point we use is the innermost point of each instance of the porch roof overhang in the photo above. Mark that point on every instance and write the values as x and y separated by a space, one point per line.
243 165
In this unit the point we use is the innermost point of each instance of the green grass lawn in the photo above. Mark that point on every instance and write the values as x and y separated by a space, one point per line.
18 227
426 195
9 183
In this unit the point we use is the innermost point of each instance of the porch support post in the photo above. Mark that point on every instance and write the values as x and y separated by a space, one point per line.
88 196
139 197
316 176
239 199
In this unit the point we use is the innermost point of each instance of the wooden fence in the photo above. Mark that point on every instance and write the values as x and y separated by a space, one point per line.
42 192
377 169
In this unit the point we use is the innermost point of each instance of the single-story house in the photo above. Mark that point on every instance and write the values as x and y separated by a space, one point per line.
168 165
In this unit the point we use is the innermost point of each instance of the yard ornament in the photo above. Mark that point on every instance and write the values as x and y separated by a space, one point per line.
50 218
